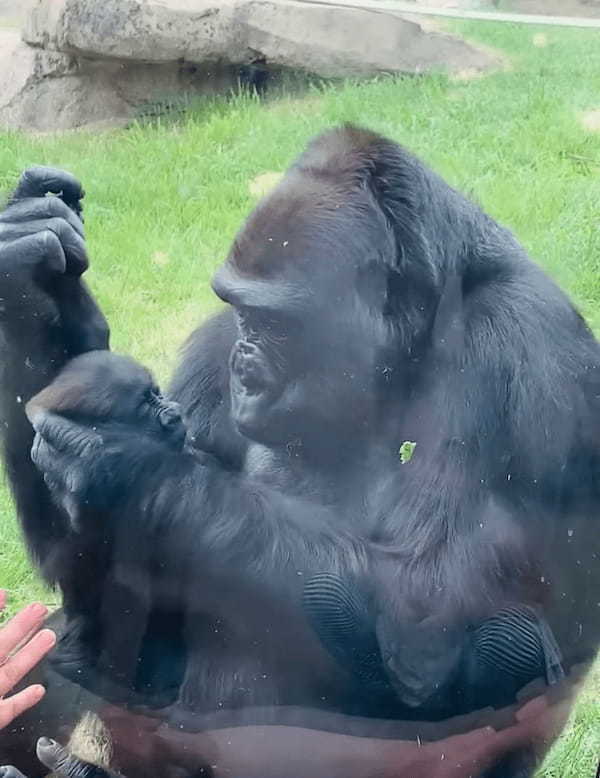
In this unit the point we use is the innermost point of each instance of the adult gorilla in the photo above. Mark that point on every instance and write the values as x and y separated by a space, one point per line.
369 304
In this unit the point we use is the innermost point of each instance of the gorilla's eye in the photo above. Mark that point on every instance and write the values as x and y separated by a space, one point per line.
254 322
248 322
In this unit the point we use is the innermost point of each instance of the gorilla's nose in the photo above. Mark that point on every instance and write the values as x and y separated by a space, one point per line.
172 423
170 414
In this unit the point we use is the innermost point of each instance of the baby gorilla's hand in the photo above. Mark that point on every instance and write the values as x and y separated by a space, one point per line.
95 466
86 466
71 458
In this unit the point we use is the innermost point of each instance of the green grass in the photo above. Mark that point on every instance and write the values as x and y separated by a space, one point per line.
164 202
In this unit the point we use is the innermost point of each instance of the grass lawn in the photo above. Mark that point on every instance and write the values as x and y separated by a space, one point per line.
164 201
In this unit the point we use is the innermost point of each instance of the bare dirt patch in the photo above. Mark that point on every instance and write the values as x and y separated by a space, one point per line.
540 40
590 120
262 184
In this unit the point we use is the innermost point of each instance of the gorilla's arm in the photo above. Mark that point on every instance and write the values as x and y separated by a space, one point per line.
47 315
236 524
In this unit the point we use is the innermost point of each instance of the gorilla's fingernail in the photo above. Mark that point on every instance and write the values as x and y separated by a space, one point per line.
47 742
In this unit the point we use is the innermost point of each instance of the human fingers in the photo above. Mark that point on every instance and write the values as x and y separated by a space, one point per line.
24 660
12 707
19 627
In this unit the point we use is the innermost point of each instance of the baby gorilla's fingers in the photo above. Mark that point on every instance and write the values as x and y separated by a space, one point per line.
62 435
38 181
59 760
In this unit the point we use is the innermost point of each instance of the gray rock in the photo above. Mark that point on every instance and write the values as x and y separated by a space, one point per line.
85 61
323 40
28 77
138 30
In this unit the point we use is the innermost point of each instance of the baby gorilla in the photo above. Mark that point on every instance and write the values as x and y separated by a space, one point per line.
104 393
111 390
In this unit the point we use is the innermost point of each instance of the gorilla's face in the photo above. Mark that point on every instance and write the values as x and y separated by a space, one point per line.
309 307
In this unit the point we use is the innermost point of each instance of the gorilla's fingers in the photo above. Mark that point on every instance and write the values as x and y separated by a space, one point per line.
72 243
36 208
62 474
41 250
38 181
10 772
58 759
62 435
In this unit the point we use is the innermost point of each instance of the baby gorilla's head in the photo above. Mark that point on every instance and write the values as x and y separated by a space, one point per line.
101 386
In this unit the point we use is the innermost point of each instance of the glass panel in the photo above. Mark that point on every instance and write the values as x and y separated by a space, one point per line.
352 527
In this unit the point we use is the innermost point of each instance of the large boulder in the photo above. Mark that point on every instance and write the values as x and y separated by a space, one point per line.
85 61
135 30
327 41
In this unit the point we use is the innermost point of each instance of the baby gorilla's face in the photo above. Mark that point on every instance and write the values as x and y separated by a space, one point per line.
107 388
162 417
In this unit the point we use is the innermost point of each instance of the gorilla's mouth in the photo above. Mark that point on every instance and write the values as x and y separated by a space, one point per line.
250 372
252 385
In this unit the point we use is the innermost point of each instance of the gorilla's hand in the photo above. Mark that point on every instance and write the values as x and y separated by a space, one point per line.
61 762
42 256
95 466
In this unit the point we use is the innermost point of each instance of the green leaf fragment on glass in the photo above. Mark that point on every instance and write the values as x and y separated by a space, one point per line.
407 449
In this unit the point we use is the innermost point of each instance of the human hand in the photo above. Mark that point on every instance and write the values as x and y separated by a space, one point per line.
19 653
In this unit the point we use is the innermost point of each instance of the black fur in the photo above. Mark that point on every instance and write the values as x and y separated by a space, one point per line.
369 304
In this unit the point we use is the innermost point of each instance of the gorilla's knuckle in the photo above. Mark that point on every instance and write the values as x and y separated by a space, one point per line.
51 251
37 181
57 208
29 177
10 772
57 224
67 765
